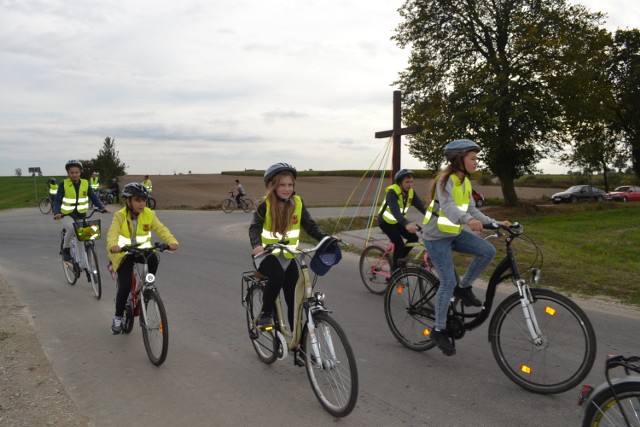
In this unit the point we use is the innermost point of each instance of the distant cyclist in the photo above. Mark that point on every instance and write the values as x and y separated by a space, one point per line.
239 192
399 197
52 189
148 184
94 182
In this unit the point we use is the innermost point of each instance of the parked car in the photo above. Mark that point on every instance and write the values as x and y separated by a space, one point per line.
478 198
626 193
579 192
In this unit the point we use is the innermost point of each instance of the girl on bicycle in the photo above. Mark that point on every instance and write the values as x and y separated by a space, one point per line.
132 225
278 219
451 207
392 217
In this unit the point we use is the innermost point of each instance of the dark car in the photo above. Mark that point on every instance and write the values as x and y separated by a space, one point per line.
579 192
626 193
478 198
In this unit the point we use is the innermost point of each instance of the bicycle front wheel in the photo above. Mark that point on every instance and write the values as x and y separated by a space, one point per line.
67 266
264 342
375 269
332 370
559 359
45 205
94 271
409 307
155 329
228 205
605 410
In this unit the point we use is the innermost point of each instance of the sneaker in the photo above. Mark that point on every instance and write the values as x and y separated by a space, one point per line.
467 296
66 254
441 339
264 321
116 326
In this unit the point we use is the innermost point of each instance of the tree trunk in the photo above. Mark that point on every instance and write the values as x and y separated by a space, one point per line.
509 192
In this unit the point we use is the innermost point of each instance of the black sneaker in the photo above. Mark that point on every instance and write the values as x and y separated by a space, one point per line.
265 321
441 339
66 254
467 296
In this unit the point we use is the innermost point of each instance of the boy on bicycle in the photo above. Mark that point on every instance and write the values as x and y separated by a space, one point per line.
132 225
72 203
238 189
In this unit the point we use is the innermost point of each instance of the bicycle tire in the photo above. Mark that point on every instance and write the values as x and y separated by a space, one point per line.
155 328
375 269
94 271
604 408
247 205
67 266
264 343
334 378
45 205
563 358
409 307
228 205
128 317
151 203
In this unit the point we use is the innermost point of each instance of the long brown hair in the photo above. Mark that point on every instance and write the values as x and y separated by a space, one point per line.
281 212
443 176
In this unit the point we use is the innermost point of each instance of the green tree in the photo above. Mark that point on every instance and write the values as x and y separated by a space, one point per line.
108 164
495 72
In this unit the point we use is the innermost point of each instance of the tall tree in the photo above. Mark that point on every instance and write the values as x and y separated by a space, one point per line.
108 163
495 71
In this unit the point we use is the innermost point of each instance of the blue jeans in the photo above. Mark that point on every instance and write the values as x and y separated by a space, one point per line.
441 254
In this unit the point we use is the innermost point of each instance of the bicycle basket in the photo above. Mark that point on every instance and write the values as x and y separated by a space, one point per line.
326 256
88 231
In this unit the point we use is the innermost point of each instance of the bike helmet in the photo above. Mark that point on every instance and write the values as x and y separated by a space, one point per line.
273 170
51 180
460 147
135 189
73 163
401 174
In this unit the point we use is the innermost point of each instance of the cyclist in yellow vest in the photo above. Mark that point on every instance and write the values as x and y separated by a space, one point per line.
52 189
392 216
279 218
72 202
94 182
148 184
451 207
131 225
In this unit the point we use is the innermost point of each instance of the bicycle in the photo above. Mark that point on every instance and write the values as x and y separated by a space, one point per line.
375 264
229 204
107 196
45 205
151 203
317 342
615 402
83 256
541 340
144 302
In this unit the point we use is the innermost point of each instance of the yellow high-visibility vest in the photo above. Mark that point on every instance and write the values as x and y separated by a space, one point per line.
71 200
461 199
386 212
292 235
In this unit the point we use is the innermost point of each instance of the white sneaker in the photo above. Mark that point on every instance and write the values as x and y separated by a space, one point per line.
116 325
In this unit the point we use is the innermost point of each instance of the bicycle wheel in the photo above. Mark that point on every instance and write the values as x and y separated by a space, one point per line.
247 205
604 410
375 269
45 205
155 329
264 342
94 271
67 266
564 355
333 377
151 203
228 205
409 307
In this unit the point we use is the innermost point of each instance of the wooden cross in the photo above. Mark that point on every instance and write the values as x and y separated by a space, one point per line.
397 132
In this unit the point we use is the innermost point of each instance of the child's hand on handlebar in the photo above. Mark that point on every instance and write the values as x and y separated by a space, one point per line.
475 225
115 249
412 228
257 250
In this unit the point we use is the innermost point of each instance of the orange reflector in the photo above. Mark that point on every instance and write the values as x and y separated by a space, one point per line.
161 328
426 332
525 369
550 311
399 289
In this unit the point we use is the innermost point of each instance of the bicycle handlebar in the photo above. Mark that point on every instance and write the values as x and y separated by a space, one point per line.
515 229
162 247
283 246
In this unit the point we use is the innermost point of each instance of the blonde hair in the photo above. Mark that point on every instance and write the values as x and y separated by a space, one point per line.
443 176
281 213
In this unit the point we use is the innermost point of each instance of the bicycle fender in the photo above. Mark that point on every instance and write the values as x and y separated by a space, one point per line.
605 387
283 345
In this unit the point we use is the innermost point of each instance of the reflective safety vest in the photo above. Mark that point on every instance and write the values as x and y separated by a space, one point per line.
142 231
95 183
72 201
147 184
293 234
53 189
461 199
386 212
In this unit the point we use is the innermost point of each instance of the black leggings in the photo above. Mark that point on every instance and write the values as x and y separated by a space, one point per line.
396 232
125 270
278 278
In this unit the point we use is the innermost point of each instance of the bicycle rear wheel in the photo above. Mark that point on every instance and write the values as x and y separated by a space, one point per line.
605 411
264 342
228 205
375 269
247 205
151 203
155 329
94 271
333 377
409 307
563 357
45 205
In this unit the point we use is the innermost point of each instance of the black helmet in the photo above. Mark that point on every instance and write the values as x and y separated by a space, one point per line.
135 189
401 174
73 163
460 147
276 169
51 180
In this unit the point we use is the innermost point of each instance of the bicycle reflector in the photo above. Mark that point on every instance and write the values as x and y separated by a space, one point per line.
550 311
399 289
426 332
526 369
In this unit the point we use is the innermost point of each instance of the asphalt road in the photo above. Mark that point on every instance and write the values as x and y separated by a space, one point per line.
212 375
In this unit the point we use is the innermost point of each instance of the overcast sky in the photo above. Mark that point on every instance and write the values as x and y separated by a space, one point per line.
204 85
